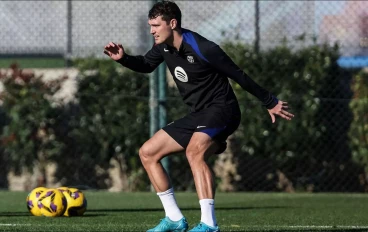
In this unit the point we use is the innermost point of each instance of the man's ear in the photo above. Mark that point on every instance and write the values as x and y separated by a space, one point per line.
173 23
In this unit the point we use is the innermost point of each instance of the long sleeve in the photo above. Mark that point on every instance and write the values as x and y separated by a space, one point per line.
223 63
143 64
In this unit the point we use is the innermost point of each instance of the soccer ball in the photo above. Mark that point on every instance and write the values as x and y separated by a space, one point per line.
63 189
52 203
77 202
32 201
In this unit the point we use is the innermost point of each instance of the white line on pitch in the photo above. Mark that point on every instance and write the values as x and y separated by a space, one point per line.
2 224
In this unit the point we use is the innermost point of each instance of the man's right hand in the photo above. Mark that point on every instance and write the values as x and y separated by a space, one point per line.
115 51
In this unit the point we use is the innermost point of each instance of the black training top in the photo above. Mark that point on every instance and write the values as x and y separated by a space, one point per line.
200 69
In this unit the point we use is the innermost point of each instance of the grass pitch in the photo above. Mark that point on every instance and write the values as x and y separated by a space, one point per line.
235 212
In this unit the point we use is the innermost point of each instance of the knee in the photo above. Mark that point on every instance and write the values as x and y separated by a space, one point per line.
194 154
145 154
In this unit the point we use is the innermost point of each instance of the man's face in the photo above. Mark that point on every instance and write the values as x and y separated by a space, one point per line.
160 29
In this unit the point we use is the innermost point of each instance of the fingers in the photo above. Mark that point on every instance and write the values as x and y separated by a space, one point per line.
286 115
115 51
112 45
273 119
281 110
283 113
107 53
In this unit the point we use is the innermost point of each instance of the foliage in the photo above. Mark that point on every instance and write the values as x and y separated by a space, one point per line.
32 115
359 127
3 155
109 121
310 148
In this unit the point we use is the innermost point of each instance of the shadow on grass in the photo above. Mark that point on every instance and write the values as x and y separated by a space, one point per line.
26 214
185 209
304 230
94 215
15 214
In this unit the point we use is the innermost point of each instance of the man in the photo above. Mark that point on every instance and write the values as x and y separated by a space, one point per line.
200 69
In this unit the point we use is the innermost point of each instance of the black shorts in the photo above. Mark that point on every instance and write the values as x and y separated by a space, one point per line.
217 121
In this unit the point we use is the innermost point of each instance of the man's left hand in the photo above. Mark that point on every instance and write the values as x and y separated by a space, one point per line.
280 110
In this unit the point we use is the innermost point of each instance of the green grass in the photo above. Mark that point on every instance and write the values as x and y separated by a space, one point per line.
234 211
33 62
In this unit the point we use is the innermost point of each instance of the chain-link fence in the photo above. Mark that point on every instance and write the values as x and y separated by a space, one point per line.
84 27
92 139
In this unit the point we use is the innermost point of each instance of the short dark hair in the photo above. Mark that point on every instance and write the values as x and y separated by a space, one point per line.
168 10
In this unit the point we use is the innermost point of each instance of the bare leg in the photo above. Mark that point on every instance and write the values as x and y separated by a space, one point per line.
152 151
200 146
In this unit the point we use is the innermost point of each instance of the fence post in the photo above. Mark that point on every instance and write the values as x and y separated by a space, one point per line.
257 34
69 39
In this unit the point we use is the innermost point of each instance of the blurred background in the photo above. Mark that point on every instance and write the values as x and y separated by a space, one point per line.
69 116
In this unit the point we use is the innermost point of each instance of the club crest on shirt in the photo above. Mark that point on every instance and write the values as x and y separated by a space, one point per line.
190 59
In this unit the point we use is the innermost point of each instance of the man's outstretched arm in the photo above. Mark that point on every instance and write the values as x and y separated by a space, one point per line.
143 64
222 62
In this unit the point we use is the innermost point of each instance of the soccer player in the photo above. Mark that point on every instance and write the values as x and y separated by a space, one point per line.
200 69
